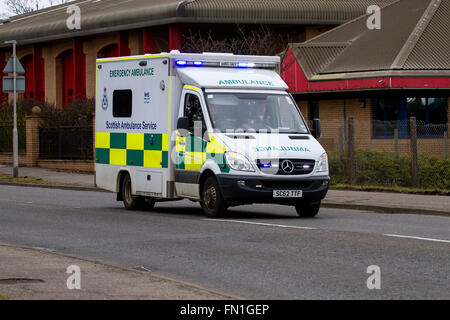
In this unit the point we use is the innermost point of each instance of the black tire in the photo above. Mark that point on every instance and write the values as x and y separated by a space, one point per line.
148 203
129 201
307 210
212 202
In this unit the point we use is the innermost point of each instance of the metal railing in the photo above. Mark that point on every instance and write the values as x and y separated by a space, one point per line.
66 143
6 132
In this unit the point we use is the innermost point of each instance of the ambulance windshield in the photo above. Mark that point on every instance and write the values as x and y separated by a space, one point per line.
258 112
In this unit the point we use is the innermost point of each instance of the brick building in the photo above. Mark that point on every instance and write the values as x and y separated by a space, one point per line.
381 78
59 62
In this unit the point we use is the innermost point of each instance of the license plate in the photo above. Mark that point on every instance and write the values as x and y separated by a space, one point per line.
287 193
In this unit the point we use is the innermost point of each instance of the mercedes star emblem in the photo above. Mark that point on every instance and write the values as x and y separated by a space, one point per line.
287 166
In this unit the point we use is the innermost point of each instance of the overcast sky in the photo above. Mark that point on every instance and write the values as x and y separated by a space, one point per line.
4 9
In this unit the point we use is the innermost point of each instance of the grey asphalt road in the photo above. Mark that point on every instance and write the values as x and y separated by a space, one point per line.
260 251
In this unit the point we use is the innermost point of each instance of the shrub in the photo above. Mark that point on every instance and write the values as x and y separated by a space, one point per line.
77 114
382 169
23 109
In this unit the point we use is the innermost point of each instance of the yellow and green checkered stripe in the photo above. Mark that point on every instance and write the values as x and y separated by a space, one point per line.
132 149
192 152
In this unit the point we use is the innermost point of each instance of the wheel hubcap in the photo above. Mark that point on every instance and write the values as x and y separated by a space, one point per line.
127 192
210 197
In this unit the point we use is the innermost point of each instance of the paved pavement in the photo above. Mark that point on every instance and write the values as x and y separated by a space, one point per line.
260 251
378 201
38 274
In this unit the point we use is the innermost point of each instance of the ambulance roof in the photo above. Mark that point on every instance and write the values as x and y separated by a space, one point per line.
231 78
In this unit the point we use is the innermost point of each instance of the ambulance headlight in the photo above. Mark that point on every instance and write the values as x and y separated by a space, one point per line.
237 161
323 163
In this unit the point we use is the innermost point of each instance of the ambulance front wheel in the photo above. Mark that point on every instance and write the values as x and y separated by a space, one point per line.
132 202
307 210
212 201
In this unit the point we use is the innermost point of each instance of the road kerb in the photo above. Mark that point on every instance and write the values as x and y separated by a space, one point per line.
385 209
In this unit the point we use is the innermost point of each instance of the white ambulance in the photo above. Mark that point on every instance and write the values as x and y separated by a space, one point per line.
220 129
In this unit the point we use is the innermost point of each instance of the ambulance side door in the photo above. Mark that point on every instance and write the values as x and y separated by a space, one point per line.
190 146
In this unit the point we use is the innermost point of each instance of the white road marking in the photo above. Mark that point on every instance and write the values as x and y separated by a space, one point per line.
44 249
262 224
417 238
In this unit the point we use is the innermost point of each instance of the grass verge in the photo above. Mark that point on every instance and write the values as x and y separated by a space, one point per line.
9 178
440 192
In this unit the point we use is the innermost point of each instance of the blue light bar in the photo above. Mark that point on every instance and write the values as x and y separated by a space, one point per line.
224 64
245 65
181 62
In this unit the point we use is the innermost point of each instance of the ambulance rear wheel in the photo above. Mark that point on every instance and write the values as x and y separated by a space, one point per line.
212 201
307 210
129 201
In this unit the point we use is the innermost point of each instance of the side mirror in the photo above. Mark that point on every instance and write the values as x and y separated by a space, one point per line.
183 123
316 129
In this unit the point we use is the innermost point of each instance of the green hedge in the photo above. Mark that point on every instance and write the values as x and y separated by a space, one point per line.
382 169
78 113
6 124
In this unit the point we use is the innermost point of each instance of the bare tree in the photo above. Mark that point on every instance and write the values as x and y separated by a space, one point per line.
17 7
257 41
21 6
57 2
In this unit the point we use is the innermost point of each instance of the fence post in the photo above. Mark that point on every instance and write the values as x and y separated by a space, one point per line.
396 143
351 158
414 165
341 142
33 123
445 144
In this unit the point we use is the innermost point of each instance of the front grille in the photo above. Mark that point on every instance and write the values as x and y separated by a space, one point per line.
286 166
287 184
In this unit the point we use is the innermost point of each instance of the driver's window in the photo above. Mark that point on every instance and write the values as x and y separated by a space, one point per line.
193 110
286 118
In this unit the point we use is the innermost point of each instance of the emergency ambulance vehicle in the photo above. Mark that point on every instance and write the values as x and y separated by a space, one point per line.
220 129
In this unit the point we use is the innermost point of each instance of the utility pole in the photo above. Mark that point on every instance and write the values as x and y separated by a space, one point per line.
15 137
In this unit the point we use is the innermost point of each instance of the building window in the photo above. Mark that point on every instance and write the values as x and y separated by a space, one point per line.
389 114
122 103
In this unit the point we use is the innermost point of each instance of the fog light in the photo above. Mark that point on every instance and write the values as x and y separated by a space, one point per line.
241 183
324 183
